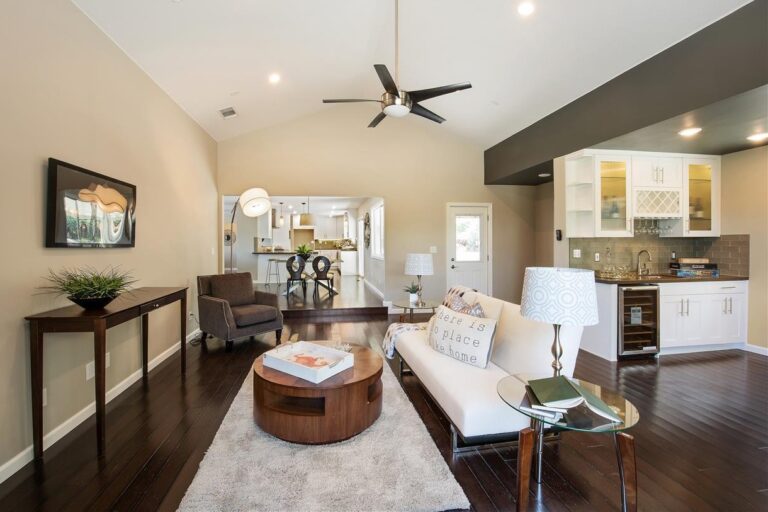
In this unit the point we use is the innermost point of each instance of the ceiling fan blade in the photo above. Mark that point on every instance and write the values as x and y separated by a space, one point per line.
425 94
386 79
349 101
424 112
377 120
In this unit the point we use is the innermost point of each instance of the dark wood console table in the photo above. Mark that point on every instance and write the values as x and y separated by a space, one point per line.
133 304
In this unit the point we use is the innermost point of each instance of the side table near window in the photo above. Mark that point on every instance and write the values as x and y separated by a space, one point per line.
532 439
409 307
136 303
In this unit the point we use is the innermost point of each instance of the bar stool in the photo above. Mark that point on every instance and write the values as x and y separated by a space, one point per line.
273 270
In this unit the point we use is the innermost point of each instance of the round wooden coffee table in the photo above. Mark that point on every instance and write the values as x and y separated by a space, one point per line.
338 408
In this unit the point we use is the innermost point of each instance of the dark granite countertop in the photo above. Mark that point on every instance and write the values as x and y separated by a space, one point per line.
668 279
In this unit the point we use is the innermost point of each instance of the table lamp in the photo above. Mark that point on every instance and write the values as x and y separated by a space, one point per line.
559 296
419 264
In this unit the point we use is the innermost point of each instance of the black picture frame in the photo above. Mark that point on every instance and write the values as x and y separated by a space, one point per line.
62 229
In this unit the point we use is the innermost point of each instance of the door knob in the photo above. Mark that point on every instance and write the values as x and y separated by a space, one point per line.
453 259
453 266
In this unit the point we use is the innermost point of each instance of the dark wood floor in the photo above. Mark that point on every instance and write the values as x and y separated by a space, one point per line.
701 441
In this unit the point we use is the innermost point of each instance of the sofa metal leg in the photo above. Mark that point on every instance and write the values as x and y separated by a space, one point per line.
229 345
278 335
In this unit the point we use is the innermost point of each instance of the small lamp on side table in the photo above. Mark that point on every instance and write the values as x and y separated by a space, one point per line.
559 296
419 264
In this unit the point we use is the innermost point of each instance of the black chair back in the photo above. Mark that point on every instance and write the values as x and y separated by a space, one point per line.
322 265
295 266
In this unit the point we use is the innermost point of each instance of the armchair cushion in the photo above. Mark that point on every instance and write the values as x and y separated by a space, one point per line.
250 314
237 289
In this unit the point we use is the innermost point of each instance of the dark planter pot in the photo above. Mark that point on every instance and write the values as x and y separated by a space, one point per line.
305 257
95 303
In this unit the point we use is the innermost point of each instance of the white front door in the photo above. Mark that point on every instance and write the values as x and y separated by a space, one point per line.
468 247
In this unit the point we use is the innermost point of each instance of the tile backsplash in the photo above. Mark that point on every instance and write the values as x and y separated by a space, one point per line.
730 252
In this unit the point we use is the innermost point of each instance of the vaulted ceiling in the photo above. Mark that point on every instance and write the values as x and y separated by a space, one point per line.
208 55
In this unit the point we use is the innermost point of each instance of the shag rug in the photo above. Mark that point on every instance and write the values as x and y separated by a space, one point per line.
392 466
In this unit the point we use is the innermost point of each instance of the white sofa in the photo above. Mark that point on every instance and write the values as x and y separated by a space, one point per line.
467 394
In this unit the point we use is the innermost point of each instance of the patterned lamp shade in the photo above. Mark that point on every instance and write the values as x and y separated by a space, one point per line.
418 264
561 296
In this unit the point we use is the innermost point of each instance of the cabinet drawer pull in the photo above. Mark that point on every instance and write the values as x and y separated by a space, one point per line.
727 287
730 305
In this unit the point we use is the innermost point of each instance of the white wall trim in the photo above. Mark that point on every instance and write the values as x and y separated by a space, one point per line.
755 349
489 206
701 348
373 288
25 456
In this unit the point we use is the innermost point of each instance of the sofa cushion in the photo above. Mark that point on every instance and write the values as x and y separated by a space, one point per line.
250 314
459 305
454 291
237 289
491 306
463 337
466 394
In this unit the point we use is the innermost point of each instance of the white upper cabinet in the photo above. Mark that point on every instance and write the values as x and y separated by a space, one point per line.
606 190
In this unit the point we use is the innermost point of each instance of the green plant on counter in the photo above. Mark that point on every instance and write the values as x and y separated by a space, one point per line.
412 288
303 250
88 283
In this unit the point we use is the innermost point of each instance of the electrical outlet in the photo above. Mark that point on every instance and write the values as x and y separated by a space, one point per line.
597 256
577 253
433 249
674 255
45 397
90 370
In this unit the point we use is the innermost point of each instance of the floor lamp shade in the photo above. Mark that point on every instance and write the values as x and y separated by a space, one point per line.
254 202
561 296
419 264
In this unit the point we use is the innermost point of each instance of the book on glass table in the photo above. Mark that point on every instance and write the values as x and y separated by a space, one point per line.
561 393
531 405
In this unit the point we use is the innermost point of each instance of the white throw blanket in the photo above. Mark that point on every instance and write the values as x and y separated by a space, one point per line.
394 331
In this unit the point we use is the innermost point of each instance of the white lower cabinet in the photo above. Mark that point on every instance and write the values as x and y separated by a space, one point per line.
708 313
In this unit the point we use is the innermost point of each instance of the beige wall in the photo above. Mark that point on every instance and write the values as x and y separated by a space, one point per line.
68 92
745 211
545 224
416 166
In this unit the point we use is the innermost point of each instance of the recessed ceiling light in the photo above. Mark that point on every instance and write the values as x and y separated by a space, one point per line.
525 8
758 137
545 174
689 132
274 78
228 113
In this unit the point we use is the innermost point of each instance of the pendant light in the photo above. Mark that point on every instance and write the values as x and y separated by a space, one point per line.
307 219
281 219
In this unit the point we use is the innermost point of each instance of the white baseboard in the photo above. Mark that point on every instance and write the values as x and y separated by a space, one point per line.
763 351
25 456
373 288
701 348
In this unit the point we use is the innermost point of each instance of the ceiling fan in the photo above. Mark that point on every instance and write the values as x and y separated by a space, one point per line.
396 102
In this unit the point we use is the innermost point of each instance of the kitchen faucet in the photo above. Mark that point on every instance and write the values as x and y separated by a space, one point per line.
643 270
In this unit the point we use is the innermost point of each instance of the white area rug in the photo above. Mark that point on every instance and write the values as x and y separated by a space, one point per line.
392 466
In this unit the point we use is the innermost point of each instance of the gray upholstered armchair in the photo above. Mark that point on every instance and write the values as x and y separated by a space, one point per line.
230 308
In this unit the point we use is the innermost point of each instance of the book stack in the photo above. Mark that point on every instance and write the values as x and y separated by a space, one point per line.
555 398
693 267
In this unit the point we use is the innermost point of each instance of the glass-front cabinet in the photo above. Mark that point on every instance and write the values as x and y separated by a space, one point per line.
701 197
614 186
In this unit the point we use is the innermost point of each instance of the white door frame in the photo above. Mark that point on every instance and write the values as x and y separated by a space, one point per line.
489 207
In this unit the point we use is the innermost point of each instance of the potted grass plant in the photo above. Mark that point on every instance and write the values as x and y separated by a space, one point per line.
87 287
304 251
413 292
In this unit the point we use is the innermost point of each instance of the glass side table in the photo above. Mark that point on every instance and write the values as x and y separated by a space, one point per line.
408 306
531 441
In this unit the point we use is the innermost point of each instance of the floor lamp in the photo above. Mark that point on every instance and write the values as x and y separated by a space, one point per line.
559 296
253 202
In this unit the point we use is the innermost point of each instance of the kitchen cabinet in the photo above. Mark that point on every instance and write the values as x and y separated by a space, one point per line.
264 225
606 190
657 172
706 313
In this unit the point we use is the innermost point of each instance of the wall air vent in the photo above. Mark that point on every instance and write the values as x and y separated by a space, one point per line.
228 113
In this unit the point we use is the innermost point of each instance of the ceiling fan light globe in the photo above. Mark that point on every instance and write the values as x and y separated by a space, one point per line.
396 110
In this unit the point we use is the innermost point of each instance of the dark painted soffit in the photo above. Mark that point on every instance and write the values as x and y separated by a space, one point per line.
726 58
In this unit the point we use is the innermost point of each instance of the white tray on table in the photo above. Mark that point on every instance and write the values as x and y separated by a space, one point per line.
288 358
